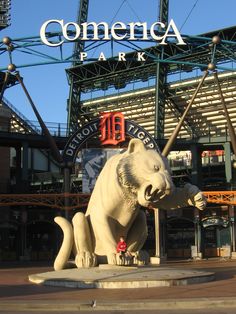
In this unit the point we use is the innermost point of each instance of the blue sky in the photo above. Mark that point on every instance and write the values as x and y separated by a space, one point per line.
48 84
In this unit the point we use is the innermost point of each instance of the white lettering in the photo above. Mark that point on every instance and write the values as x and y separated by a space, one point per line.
140 56
85 132
141 135
80 136
43 33
101 57
176 34
95 126
118 26
75 140
83 56
131 127
65 31
146 140
69 152
72 146
152 30
132 29
150 145
95 30
121 56
119 31
90 127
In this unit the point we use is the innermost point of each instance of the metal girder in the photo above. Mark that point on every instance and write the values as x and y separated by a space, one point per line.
97 75
221 197
80 200
161 78
102 75
5 16
76 117
195 54
205 117
11 81
73 120
58 201
81 18
187 124
160 100
206 113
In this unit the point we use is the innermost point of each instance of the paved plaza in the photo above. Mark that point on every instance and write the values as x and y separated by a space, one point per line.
18 293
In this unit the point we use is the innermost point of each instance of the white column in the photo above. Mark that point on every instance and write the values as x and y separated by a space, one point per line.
157 258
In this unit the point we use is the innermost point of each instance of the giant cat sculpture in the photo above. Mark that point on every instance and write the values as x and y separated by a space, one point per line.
136 178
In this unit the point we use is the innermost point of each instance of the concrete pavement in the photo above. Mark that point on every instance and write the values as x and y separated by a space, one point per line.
17 293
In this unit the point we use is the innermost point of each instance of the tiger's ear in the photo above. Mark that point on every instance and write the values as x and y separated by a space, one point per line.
135 145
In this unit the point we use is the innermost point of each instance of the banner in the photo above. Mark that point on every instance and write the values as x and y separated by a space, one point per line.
93 160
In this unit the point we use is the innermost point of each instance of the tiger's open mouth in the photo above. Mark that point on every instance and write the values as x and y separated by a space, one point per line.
153 194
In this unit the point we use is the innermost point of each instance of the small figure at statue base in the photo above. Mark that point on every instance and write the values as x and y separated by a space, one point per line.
124 259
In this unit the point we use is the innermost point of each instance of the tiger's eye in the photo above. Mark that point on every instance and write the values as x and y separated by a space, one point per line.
156 168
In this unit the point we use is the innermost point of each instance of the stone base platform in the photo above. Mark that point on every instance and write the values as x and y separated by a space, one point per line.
120 277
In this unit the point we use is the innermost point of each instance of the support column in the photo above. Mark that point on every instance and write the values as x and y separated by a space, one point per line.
25 167
48 161
24 255
228 163
197 254
196 176
25 162
67 186
158 239
18 168
160 100
232 231
157 233
161 78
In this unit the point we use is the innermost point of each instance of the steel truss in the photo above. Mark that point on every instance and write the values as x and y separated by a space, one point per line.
58 201
159 63
205 118
161 79
80 200
195 54
93 76
221 197
75 93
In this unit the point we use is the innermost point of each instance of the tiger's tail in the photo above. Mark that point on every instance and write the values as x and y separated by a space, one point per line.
61 261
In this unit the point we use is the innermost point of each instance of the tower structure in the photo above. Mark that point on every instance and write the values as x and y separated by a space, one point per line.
5 17
161 78
75 91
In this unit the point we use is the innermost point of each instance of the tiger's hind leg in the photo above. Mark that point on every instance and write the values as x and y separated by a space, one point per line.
85 256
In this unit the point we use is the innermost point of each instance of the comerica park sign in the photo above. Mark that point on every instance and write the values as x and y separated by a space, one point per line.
118 31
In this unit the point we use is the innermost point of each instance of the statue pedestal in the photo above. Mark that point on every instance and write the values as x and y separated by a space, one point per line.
119 277
233 255
157 260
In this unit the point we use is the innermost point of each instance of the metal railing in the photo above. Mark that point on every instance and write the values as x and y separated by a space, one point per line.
55 129
29 124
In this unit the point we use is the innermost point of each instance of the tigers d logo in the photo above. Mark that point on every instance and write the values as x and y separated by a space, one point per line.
112 127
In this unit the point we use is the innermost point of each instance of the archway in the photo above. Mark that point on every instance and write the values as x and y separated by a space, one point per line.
216 241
